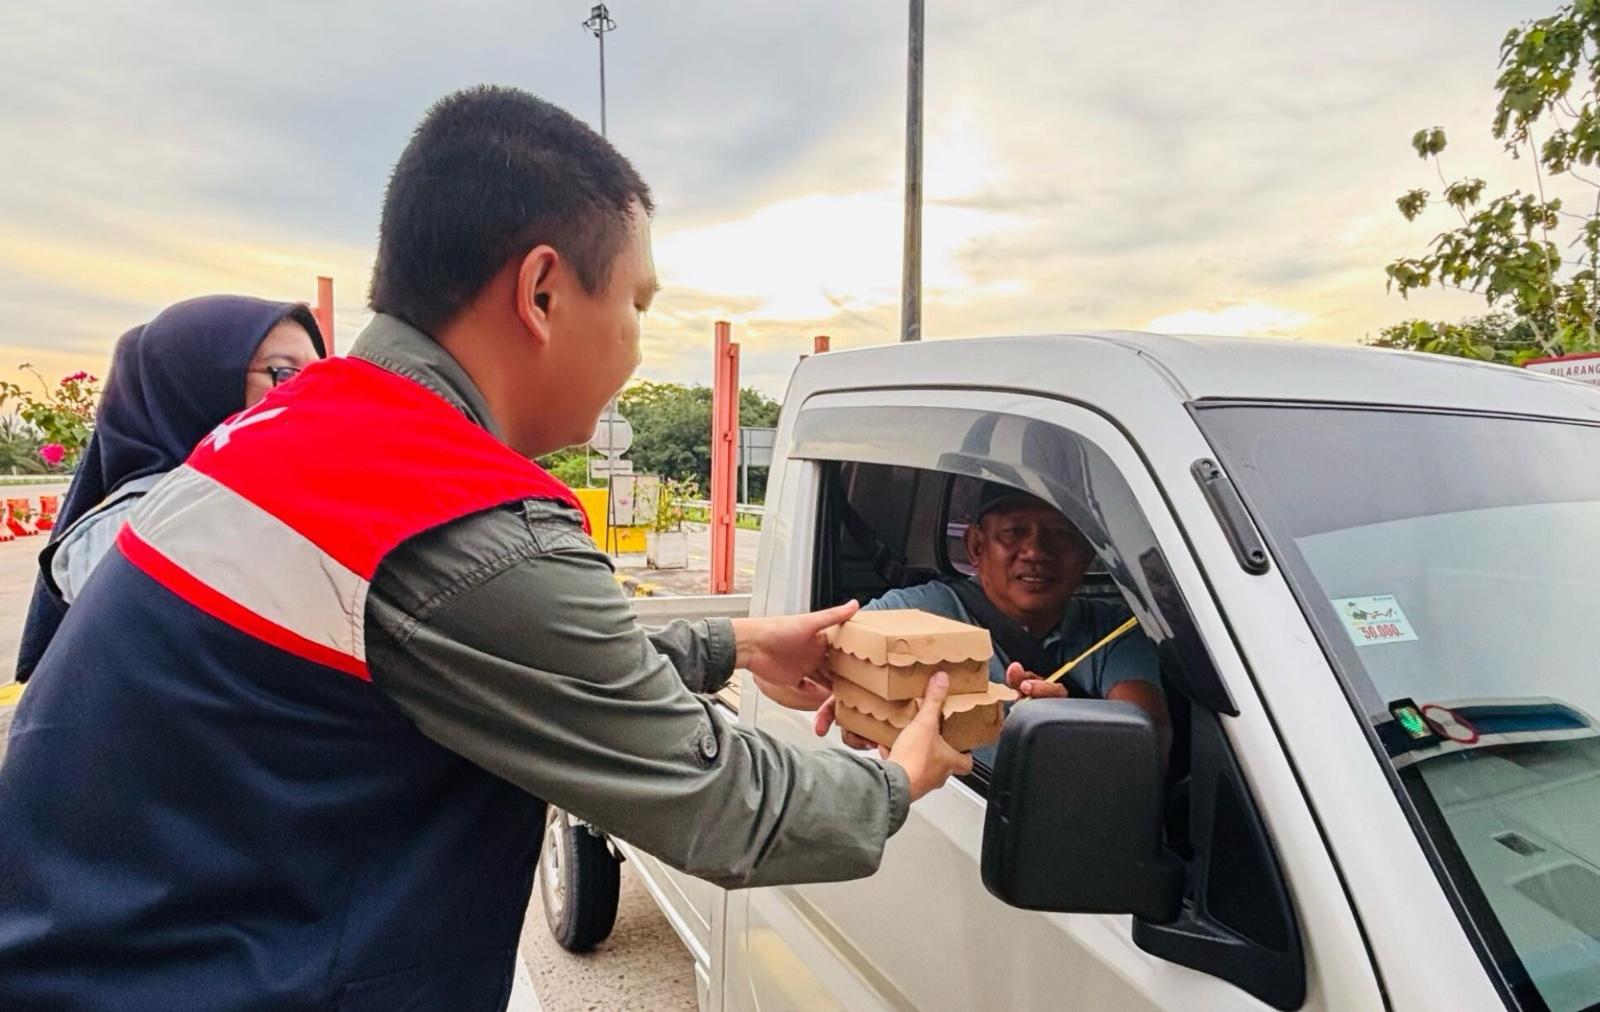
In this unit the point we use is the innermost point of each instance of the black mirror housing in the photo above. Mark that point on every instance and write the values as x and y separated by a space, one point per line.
1075 812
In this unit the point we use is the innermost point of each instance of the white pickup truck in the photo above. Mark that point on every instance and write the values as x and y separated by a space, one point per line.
1370 577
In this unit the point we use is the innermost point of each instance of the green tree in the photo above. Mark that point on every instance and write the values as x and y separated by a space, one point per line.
570 466
672 429
19 447
64 416
672 434
1543 298
1492 337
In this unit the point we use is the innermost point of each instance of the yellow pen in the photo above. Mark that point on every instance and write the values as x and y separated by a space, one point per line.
1111 637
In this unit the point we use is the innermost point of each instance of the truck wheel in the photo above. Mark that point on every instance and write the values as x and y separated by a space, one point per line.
578 880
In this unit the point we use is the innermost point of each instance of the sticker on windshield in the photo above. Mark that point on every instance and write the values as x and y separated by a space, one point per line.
1374 620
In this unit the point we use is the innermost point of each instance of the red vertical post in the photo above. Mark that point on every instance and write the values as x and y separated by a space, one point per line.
324 311
819 344
724 430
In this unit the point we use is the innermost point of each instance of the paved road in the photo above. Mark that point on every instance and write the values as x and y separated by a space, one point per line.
696 579
19 562
642 965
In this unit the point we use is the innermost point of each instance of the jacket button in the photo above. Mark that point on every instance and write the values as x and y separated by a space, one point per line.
708 745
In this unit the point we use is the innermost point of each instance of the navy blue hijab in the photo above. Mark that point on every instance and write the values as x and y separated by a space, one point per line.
172 381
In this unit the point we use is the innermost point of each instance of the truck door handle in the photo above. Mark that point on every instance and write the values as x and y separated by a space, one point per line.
1229 509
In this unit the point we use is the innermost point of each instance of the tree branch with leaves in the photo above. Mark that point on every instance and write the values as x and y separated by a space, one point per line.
1506 248
64 416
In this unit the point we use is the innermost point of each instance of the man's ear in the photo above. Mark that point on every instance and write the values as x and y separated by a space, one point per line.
535 291
973 539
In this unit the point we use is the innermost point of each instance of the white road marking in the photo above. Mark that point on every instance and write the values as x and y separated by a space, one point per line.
523 997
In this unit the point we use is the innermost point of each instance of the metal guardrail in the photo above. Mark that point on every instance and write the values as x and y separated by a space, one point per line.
747 509
652 610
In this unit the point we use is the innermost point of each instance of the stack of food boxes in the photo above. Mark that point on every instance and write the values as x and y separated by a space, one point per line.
882 661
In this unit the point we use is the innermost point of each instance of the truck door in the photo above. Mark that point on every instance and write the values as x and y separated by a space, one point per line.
923 932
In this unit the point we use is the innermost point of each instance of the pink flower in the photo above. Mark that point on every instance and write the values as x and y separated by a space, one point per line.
52 453
76 377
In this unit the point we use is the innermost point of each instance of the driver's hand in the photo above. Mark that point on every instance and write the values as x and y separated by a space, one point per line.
825 721
1031 686
807 694
919 749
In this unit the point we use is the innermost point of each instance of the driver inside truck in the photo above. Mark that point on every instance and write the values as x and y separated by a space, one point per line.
1030 562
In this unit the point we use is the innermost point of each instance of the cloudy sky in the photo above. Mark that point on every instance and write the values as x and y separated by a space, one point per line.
1223 167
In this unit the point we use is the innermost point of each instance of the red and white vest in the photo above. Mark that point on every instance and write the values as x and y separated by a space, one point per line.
207 803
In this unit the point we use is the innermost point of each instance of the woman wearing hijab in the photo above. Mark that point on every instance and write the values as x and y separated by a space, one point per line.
172 381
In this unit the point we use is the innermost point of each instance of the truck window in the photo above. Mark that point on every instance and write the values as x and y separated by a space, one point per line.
901 528
877 533
962 502
1449 564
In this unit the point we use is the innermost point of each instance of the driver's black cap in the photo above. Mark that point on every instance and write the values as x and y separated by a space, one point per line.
995 495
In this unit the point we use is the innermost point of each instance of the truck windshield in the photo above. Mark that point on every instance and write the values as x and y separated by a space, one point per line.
1451 567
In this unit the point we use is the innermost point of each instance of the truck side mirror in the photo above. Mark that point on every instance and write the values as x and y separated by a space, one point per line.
1075 810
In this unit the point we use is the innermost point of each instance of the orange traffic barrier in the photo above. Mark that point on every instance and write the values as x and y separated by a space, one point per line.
49 506
19 517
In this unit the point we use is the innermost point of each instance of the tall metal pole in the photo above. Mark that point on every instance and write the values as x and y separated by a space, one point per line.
911 274
599 23
602 37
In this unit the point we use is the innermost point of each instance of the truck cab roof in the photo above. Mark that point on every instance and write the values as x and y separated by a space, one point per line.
1104 367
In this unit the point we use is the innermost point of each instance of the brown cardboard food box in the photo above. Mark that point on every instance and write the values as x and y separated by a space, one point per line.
971 719
893 653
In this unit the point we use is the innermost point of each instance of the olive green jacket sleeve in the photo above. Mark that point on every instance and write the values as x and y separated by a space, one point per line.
505 638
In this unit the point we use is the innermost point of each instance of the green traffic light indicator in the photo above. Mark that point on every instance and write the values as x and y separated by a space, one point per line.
1413 723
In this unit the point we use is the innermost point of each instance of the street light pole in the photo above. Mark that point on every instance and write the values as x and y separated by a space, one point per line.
599 23
911 272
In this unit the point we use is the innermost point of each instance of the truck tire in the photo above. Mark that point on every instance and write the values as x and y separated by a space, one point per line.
579 879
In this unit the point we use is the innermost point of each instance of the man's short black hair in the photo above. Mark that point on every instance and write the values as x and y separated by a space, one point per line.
490 173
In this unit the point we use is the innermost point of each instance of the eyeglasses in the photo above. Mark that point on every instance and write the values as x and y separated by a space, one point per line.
280 374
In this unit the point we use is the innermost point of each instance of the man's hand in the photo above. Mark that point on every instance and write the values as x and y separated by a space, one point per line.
825 720
807 695
1031 686
788 654
926 757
